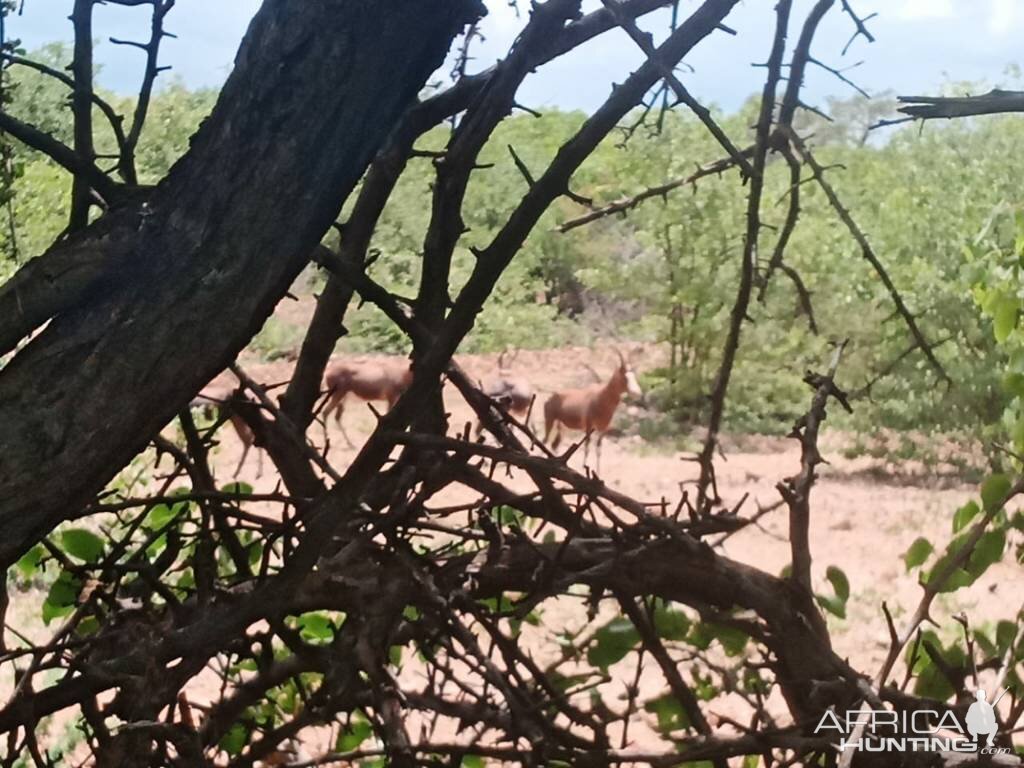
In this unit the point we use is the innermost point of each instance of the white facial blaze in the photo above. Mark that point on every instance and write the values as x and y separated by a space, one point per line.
632 385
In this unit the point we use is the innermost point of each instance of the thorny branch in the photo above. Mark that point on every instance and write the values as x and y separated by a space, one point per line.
292 598
628 203
872 258
707 490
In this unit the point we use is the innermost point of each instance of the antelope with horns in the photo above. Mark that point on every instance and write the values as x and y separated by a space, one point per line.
512 393
220 399
383 379
590 409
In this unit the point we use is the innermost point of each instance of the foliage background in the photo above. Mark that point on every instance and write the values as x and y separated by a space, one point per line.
939 204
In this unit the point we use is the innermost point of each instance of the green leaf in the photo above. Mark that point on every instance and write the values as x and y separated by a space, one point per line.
994 491
50 611
187 580
64 591
964 515
839 582
958 579
612 642
919 551
1006 633
29 562
701 636
931 683
833 605
241 489
316 627
734 641
159 516
288 697
82 544
1013 384
1018 240
989 550
255 554
233 741
670 624
506 515
985 644
669 712
90 625
1004 317
472 761
351 738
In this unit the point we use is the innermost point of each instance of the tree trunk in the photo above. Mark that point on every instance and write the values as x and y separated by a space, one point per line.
315 90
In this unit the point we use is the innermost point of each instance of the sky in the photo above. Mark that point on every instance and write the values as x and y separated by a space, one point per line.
921 46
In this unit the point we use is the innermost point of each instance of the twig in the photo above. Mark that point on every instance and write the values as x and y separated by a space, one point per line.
646 44
707 491
797 490
628 203
860 24
869 254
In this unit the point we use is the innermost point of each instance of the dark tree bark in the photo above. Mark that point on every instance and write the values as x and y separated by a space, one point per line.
315 90
81 107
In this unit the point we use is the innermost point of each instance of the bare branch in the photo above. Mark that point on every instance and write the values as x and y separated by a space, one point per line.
628 203
869 254
646 44
152 70
80 166
81 108
994 102
707 492
797 490
116 121
859 23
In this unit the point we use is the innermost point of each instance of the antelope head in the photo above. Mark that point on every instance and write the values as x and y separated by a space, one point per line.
632 385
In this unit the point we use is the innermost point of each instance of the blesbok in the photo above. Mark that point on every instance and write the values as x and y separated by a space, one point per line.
219 400
513 393
382 379
590 409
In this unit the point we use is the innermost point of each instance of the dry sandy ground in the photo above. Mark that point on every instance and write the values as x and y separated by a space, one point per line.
862 522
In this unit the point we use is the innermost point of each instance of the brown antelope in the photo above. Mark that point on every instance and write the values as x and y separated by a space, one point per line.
220 399
383 379
590 409
512 393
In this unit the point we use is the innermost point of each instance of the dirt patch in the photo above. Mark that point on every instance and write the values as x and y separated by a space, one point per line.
862 522
863 519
